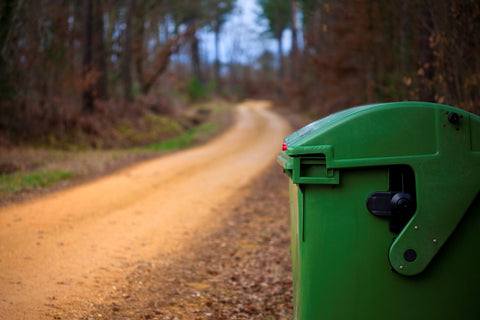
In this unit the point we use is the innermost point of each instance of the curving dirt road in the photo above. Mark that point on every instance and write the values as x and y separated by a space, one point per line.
63 246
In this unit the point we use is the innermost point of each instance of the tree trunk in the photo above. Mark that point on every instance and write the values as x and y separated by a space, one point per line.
100 57
279 34
127 52
281 67
74 14
294 51
138 52
218 84
87 95
137 45
112 16
427 92
405 20
5 25
195 55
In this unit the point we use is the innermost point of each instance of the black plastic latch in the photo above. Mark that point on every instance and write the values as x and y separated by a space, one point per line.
399 207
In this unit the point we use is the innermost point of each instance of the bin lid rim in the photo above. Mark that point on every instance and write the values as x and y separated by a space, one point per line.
303 135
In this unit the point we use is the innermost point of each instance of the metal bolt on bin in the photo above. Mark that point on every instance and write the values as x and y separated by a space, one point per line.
385 213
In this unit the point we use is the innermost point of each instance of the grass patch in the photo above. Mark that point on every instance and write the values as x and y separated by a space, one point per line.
149 129
151 136
183 141
18 182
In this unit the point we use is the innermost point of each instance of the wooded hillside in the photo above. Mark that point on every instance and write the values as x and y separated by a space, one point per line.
358 52
66 64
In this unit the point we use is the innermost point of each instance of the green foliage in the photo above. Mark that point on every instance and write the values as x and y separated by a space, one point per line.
196 90
220 10
277 14
18 182
308 8
210 11
136 89
211 87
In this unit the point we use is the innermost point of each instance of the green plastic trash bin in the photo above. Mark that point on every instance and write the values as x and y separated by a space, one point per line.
385 213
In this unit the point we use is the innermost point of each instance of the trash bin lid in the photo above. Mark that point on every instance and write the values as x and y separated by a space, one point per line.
383 130
440 143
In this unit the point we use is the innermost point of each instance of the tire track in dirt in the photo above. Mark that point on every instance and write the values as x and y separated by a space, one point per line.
60 247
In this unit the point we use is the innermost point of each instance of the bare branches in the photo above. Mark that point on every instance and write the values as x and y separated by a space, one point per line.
162 58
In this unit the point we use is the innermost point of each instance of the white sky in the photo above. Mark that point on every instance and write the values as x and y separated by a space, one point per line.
241 39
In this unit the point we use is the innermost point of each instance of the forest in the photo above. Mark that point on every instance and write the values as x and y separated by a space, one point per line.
70 69
138 141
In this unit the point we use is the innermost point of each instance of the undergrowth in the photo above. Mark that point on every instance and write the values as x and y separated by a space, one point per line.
18 182
185 140
150 128
69 158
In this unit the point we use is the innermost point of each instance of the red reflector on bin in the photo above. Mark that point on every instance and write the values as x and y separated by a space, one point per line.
284 147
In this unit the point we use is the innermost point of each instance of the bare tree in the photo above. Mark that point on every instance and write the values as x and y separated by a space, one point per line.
277 14
88 95
427 71
221 8
99 53
127 51
294 50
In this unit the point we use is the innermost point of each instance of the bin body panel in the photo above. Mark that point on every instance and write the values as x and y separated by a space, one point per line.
475 135
343 270
295 196
351 264
341 244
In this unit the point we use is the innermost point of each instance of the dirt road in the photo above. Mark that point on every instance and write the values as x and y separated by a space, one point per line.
63 246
